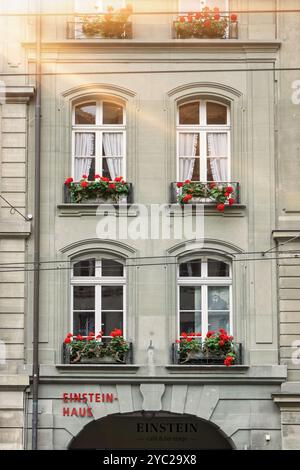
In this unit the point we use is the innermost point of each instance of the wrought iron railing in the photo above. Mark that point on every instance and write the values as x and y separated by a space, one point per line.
88 29
197 30
206 358
67 198
125 358
175 191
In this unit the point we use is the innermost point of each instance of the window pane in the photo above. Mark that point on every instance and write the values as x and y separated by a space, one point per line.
112 298
83 323
217 167
190 322
218 298
84 166
189 113
84 298
110 321
85 113
190 269
112 268
84 268
113 144
188 144
112 113
216 113
218 320
190 298
217 268
84 144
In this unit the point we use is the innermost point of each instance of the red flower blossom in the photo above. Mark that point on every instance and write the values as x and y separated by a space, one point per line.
198 334
79 338
67 340
229 189
183 334
233 17
221 207
116 332
229 360
84 176
212 185
207 23
90 338
182 19
189 339
221 342
209 334
198 15
217 10
179 185
69 335
187 181
231 201
91 333
97 177
187 198
190 18
118 179
84 184
68 181
112 186
217 16
178 341
104 178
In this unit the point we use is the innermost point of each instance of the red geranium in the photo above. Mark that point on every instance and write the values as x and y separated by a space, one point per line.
209 334
79 337
112 186
231 201
69 335
104 178
229 361
233 17
68 181
116 332
217 16
212 185
97 177
118 179
198 15
179 185
187 198
67 340
221 207
229 189
84 176
182 19
84 184
207 23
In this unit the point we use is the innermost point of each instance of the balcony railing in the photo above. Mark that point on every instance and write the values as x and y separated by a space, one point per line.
175 191
67 198
201 358
193 28
126 358
91 29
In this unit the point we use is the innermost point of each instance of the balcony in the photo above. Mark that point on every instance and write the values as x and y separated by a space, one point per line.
93 28
197 27
203 358
68 198
203 192
68 358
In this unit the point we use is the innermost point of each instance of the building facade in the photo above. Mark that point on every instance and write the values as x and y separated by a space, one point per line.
157 107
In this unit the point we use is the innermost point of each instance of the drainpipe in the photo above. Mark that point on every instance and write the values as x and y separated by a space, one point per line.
36 232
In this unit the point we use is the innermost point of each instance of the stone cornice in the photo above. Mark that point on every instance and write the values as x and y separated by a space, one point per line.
19 94
15 230
228 45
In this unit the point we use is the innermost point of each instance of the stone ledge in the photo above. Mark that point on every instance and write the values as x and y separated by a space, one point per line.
14 381
236 210
15 229
111 368
80 210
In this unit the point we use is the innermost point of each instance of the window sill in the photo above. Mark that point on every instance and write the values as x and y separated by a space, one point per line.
235 210
125 368
80 210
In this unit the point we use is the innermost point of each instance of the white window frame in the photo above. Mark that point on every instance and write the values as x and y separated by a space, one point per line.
203 129
99 129
204 282
202 4
99 281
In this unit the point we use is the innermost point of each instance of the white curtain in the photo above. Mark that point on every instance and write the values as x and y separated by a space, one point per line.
187 148
113 150
84 148
217 147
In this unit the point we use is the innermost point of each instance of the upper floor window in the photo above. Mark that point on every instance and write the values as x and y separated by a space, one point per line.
187 6
204 289
97 6
98 139
98 296
203 141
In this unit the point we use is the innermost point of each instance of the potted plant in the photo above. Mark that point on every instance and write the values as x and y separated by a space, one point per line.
208 23
219 347
221 194
113 24
189 346
100 190
92 349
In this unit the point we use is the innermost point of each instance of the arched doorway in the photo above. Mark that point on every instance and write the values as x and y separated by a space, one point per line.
159 430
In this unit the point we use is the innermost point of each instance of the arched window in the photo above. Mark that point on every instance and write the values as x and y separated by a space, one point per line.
204 295
98 296
203 141
99 139
197 5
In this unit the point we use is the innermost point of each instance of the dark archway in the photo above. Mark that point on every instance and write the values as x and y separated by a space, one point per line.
159 430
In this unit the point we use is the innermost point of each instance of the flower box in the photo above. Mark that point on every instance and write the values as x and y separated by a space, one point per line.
206 24
216 349
99 191
97 350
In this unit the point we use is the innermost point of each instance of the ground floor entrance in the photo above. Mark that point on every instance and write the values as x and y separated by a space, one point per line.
144 430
